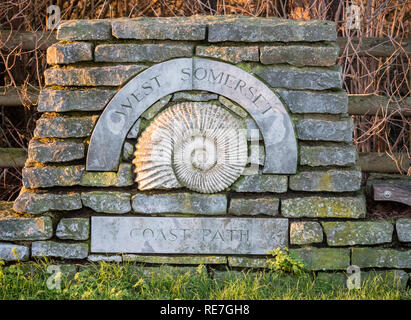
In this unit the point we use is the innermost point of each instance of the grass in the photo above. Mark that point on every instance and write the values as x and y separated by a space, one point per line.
131 281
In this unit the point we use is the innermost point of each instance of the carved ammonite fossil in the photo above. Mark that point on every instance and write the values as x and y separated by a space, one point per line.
200 146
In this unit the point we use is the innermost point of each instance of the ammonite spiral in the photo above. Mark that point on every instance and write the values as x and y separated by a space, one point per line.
196 145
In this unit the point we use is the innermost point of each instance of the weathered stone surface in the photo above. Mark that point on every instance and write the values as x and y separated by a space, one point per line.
305 232
300 55
65 53
107 201
171 28
328 155
255 206
381 258
152 52
332 180
73 229
84 30
190 203
324 207
261 183
64 127
40 249
135 129
194 96
92 76
14 252
55 151
256 157
247 262
176 259
315 102
74 100
229 53
122 178
187 235
403 227
26 228
195 74
233 106
128 151
311 78
105 258
43 177
40 202
253 132
397 278
323 258
250 29
358 232
151 112
315 129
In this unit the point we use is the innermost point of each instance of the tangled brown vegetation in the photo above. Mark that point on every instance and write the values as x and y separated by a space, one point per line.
363 73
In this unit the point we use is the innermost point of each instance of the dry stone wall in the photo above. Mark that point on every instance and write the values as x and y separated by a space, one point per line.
318 212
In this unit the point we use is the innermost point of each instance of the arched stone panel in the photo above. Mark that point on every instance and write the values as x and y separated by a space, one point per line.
194 74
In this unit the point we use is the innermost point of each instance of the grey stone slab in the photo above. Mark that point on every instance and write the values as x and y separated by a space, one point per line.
64 127
232 54
55 151
65 53
261 183
187 235
14 252
349 233
170 28
74 100
403 227
315 102
40 249
73 229
190 203
17 228
325 130
43 177
194 74
254 206
305 232
152 52
107 201
250 29
84 30
91 76
381 258
328 155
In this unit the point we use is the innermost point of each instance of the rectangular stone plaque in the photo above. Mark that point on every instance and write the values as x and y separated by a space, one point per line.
187 235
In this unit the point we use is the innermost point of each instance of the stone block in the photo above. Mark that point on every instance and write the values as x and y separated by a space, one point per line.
170 28
65 127
176 259
43 177
73 30
16 228
327 155
152 52
40 202
314 102
324 207
323 258
403 227
325 130
332 180
247 262
231 54
122 178
73 229
300 55
261 183
349 233
105 258
74 100
381 258
107 201
55 151
305 232
65 53
13 252
92 76
250 29
190 203
40 249
254 206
